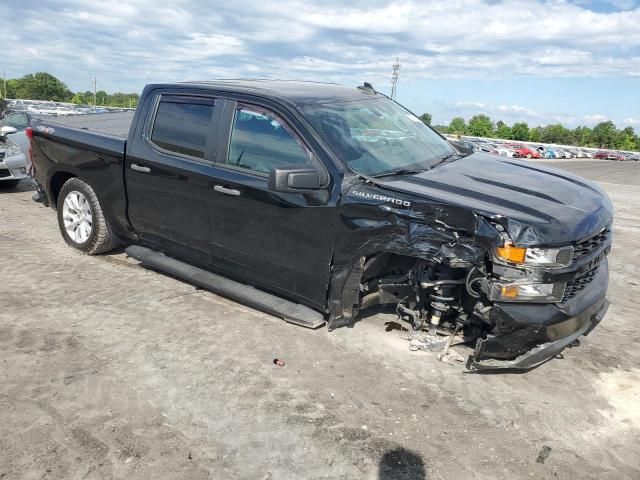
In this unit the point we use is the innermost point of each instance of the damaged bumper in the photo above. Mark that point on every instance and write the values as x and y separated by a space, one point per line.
528 335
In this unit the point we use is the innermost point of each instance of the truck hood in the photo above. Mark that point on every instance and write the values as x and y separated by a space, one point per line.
536 204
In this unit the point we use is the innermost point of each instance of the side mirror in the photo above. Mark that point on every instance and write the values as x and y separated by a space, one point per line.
6 130
293 180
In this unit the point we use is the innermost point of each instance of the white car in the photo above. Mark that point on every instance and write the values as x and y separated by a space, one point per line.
13 163
505 152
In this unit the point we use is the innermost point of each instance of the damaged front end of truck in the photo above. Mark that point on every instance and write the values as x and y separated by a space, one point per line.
515 292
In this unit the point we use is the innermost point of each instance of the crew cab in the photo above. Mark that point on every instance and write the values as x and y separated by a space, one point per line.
315 202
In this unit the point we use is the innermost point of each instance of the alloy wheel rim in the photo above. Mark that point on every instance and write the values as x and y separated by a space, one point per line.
77 217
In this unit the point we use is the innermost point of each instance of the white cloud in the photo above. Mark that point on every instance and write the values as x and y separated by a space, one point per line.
127 44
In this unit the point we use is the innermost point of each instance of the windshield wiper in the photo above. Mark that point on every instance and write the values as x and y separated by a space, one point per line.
400 171
445 158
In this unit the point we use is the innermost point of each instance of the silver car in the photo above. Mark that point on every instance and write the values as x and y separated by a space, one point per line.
14 127
13 163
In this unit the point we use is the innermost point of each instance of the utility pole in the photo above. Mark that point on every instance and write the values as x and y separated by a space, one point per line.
95 91
394 78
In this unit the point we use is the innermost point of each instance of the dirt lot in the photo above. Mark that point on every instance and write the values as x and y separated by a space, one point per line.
112 371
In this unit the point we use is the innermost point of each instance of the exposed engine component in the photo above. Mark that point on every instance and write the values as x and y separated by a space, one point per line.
438 302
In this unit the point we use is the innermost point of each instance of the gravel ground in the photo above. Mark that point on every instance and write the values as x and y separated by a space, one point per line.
109 370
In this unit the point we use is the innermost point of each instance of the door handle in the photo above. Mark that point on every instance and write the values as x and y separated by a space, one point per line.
227 191
139 168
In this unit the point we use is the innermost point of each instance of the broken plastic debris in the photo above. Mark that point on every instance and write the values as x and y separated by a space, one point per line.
278 362
544 453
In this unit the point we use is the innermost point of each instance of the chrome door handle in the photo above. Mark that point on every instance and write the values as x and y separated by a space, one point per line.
227 191
139 168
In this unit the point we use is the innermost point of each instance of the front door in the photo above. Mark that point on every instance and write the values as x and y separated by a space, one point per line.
279 240
169 173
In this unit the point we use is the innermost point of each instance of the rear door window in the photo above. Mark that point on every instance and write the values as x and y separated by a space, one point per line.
182 125
17 120
261 141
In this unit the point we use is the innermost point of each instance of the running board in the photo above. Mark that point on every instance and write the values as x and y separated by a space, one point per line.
245 294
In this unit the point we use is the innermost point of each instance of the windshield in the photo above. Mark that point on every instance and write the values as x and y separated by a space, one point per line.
377 136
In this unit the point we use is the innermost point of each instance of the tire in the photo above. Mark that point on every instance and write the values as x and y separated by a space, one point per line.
6 184
81 220
529 155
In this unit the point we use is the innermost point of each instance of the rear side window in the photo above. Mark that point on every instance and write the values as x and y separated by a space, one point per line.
17 120
182 125
260 141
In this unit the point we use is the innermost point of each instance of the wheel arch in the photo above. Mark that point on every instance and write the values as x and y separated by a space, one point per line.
58 179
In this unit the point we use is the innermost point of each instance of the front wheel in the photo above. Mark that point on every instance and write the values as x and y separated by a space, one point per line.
81 220
529 155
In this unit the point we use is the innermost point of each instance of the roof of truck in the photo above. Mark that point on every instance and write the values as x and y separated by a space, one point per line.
296 92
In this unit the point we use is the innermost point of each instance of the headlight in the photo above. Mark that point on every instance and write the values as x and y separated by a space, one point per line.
540 257
527 292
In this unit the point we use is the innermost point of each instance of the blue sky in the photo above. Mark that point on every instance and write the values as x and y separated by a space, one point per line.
540 61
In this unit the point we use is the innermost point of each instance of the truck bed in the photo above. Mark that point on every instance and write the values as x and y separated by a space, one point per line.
114 125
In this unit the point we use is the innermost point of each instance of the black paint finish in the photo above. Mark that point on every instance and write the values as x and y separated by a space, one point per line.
305 245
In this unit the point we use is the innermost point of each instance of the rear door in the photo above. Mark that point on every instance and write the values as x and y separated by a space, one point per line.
282 241
168 173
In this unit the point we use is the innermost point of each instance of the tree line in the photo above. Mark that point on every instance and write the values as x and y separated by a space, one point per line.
602 135
44 86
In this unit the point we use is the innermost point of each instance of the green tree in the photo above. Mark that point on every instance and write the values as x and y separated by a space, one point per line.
626 139
480 126
534 135
426 118
458 126
583 136
40 86
101 97
441 128
556 133
80 99
604 134
503 130
520 131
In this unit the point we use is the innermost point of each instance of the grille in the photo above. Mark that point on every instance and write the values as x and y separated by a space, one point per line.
578 284
2 155
4 173
594 243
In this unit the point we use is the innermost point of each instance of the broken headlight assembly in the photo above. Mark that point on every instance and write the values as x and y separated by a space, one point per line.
534 257
526 292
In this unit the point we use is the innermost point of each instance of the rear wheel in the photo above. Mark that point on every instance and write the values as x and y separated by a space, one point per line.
81 220
9 183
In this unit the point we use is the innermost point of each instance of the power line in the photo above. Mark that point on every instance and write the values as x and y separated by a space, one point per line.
394 77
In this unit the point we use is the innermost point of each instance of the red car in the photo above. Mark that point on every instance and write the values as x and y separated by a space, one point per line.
604 155
524 152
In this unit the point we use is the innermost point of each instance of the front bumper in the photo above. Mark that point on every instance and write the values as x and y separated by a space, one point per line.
527 335
13 168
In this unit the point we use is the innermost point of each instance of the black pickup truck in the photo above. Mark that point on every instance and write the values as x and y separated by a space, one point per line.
316 201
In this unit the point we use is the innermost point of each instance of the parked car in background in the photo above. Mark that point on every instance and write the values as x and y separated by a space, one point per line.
14 127
525 152
13 163
487 148
562 153
609 155
502 150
